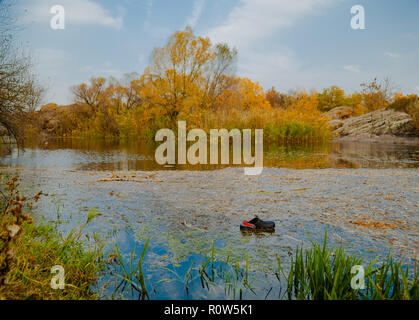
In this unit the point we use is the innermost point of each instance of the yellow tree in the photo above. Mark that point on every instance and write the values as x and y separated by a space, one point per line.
94 95
377 95
188 71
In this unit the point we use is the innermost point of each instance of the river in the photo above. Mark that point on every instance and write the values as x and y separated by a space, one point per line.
364 194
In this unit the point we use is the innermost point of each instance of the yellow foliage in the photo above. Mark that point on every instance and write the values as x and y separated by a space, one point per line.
193 80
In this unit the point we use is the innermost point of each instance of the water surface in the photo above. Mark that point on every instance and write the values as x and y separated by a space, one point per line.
305 189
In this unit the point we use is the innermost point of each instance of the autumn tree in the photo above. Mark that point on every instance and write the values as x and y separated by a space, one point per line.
191 79
125 94
219 76
331 98
93 94
20 92
277 99
355 100
377 95
188 72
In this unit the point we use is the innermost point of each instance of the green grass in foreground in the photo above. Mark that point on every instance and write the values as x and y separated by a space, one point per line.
321 273
28 251
37 250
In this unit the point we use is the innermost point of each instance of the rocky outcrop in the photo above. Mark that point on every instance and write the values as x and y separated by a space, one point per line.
339 113
335 124
51 118
48 117
378 123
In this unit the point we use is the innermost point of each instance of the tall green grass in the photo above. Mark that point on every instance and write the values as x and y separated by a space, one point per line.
316 273
27 254
131 277
323 273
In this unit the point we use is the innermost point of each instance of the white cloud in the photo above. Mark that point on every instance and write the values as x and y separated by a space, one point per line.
392 55
255 24
85 12
257 19
352 68
196 13
277 68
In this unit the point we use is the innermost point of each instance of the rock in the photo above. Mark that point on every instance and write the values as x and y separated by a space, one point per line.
335 124
13 230
377 123
339 113
51 118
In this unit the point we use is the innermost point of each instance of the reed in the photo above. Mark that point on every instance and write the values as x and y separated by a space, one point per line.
131 278
323 273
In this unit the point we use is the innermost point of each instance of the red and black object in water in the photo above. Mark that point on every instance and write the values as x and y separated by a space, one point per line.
257 224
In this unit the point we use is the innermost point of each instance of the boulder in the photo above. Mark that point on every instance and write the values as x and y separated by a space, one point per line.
335 124
377 123
339 113
51 118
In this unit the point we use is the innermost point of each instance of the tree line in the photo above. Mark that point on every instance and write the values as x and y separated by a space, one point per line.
189 79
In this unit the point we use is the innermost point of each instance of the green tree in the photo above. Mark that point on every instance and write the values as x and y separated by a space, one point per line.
331 98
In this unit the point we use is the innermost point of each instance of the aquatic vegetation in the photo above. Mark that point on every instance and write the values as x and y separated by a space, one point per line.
317 273
211 272
321 273
130 278
373 224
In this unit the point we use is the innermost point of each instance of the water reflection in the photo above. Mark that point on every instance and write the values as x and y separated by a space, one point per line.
81 154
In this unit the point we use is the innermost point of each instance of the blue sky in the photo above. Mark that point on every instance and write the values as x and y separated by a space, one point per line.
283 43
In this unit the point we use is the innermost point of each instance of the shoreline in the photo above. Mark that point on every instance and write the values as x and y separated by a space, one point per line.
384 139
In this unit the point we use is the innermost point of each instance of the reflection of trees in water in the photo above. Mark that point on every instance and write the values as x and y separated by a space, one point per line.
102 154
376 155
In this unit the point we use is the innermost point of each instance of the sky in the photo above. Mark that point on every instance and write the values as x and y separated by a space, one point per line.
288 44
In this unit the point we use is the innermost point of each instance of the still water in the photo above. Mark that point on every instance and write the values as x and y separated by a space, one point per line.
184 210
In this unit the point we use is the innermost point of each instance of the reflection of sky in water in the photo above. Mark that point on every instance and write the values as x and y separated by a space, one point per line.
67 159
188 210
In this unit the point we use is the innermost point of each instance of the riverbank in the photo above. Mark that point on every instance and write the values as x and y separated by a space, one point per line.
30 249
383 139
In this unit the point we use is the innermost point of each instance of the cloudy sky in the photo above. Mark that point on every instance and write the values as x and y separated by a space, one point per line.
283 43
